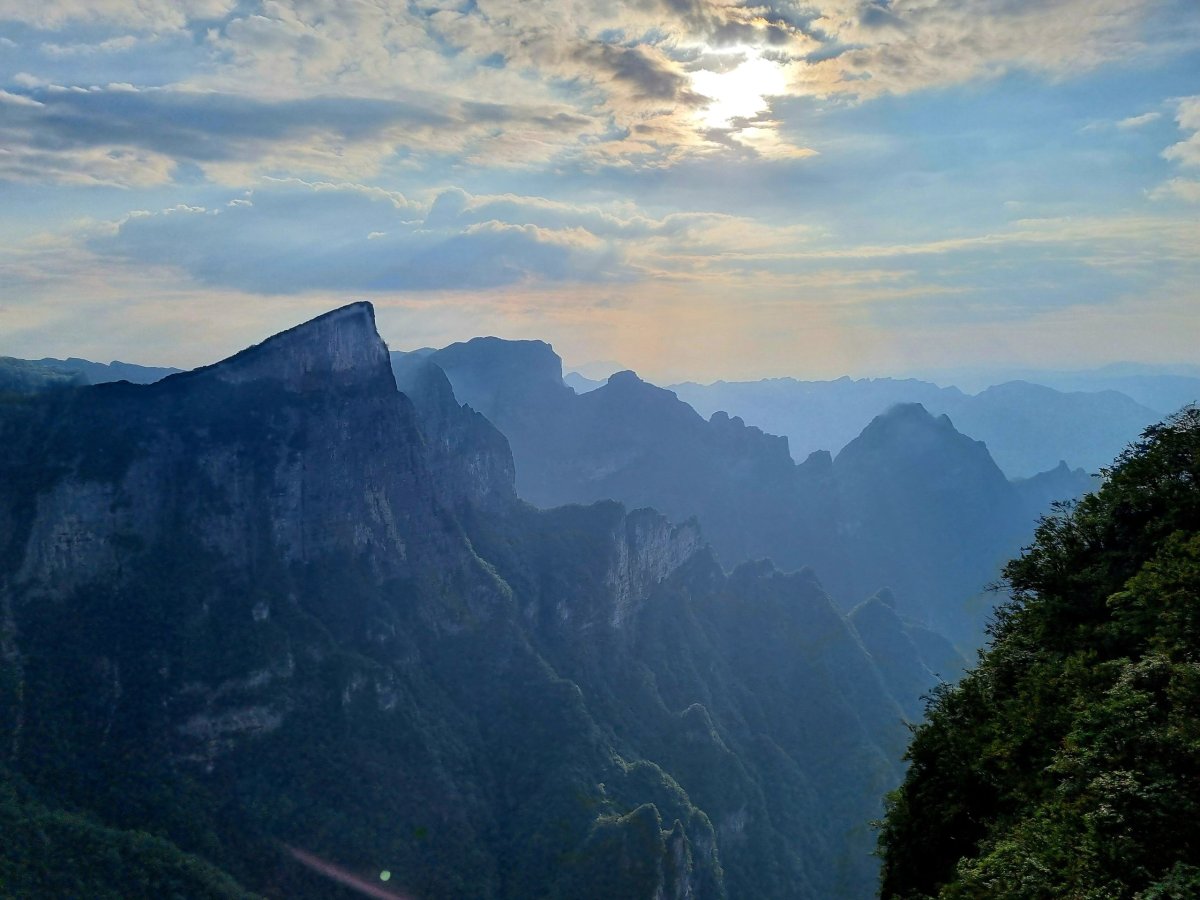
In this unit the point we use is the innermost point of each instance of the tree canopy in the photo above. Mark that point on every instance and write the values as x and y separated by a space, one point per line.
1067 763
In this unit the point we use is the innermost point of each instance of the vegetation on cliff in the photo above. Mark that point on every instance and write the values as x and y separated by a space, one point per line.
1067 764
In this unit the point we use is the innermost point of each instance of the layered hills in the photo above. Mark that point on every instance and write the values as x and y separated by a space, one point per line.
1027 427
29 374
911 503
275 619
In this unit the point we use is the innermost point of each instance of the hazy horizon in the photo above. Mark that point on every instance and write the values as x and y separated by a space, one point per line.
970 379
702 190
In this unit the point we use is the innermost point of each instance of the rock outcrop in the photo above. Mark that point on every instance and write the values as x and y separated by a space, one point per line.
277 603
911 503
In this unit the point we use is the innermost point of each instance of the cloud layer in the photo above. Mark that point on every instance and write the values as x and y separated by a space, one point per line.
343 88
673 174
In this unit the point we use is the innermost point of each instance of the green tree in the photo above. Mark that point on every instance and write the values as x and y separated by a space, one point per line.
1067 764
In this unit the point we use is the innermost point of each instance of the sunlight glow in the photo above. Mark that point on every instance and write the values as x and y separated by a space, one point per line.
739 93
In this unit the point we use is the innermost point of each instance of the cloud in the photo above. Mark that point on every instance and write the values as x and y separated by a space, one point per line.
455 208
19 100
235 138
1139 121
1186 189
294 237
897 48
86 166
598 72
331 89
644 73
121 44
290 237
149 15
1187 152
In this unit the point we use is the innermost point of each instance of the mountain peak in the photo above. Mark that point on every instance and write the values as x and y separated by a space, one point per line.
339 347
496 376
532 359
626 379
909 422
908 412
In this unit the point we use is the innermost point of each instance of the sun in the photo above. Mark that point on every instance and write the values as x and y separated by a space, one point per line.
740 92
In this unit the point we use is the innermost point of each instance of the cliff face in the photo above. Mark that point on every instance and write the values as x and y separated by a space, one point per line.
471 462
219 510
925 511
911 503
298 448
337 349
277 603
648 551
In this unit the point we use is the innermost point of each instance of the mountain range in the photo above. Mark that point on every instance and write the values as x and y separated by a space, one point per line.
322 612
273 625
910 504
1028 428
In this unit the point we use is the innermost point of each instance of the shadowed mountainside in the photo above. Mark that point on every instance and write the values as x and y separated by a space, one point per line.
910 504
276 605
1027 427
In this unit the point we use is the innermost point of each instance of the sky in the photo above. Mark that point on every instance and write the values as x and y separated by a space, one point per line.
697 189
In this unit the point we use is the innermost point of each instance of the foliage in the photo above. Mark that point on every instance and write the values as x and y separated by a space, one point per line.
486 704
55 853
1067 764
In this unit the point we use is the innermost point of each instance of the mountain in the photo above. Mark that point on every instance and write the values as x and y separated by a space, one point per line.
911 503
27 376
911 659
581 384
274 626
1164 388
1027 427
1159 391
925 511
22 376
101 373
629 441
813 415
1065 764
1039 493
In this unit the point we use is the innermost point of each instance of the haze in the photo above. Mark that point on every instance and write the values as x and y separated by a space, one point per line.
696 188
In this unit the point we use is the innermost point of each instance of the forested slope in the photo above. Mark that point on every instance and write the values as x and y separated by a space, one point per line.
1068 763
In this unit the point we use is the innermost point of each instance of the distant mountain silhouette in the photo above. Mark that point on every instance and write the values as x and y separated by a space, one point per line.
910 503
275 609
23 376
1027 427
1164 388
31 376
925 511
100 373
1054 486
581 384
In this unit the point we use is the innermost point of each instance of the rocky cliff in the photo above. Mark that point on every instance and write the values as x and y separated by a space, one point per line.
910 504
277 610
925 511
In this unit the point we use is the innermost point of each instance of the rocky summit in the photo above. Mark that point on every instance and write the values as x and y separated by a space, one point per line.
911 503
274 624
